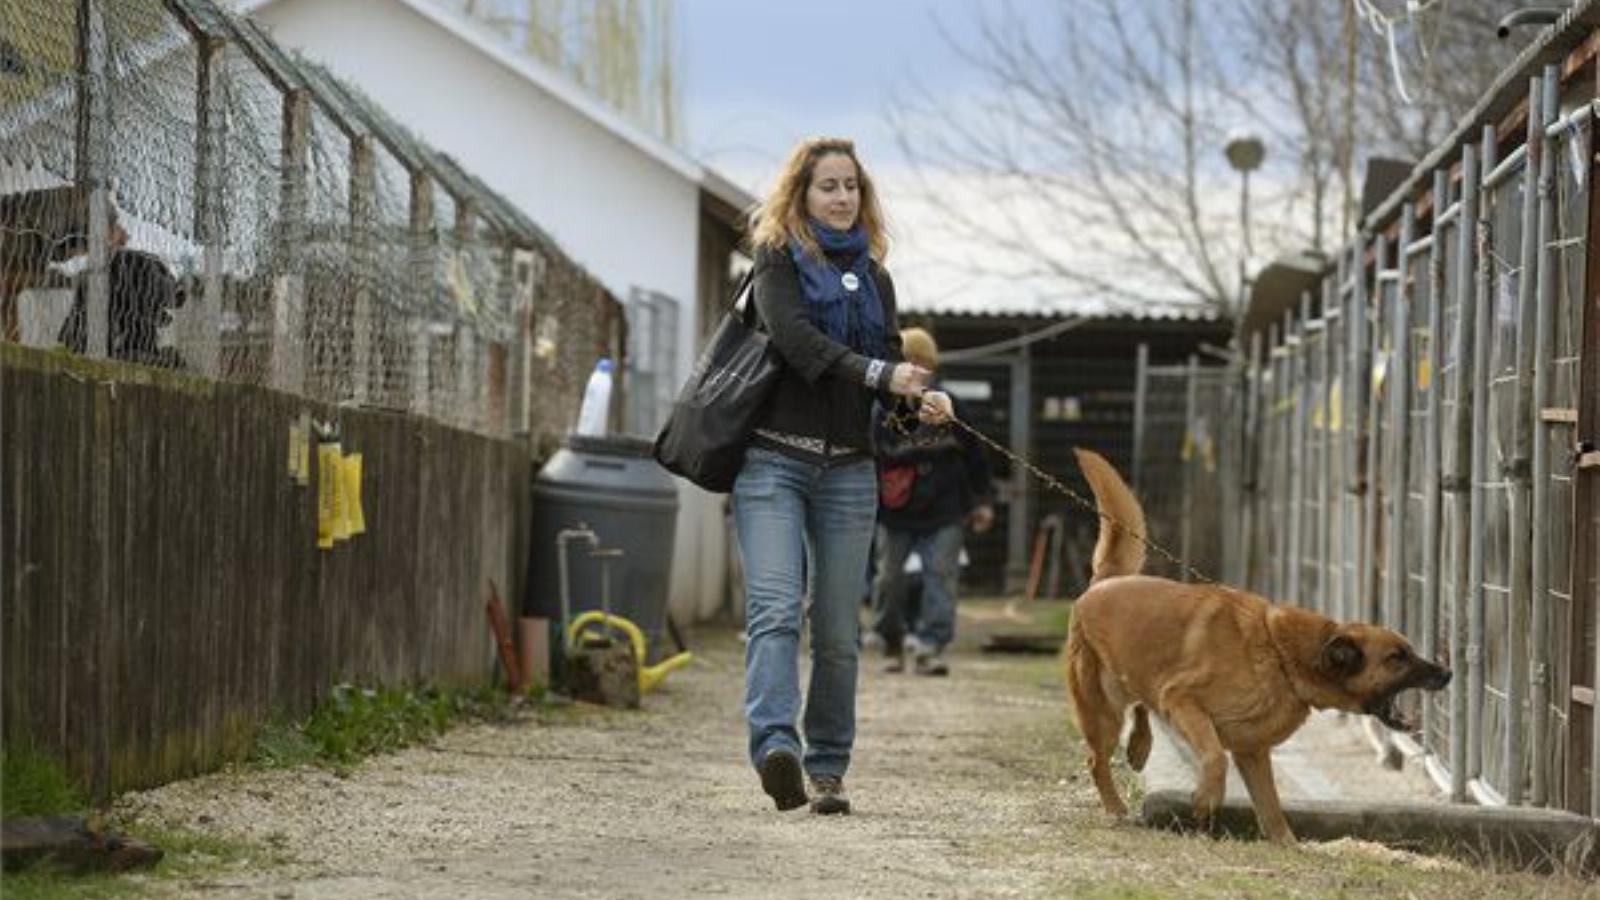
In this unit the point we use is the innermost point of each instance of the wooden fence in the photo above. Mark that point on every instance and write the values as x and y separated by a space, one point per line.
163 592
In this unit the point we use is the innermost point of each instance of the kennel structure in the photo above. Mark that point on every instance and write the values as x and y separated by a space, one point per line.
1416 424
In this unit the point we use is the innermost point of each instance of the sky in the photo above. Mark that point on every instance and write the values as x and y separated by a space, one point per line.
759 75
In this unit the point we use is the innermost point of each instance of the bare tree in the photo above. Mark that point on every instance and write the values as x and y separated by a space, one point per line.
1445 57
1104 132
1094 159
1366 79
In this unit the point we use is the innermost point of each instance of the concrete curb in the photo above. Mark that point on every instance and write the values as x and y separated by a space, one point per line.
1518 838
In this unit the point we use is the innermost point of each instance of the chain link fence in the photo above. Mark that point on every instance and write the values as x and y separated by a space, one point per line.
1182 468
177 191
1413 455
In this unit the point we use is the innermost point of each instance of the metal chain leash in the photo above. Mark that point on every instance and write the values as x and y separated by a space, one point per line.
897 421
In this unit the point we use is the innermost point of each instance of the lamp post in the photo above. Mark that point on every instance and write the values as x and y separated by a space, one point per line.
1245 152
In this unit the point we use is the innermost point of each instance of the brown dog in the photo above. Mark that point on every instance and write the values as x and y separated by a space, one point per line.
1230 671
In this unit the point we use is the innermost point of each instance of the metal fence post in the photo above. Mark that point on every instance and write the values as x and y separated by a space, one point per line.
462 402
518 315
1483 311
1297 466
1397 393
1357 594
1283 471
1544 341
203 332
422 265
1251 446
363 258
1458 479
1190 454
1328 390
92 158
1227 426
286 340
1433 437
1366 467
1272 496
1521 563
1349 518
1141 387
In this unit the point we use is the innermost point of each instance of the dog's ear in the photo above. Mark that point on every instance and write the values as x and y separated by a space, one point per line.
1342 656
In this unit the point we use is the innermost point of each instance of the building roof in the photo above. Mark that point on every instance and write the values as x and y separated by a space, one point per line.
996 300
561 88
1036 313
1277 288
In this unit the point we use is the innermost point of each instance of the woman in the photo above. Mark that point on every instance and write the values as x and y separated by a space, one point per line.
805 502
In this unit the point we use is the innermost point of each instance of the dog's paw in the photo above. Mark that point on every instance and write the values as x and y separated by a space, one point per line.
1205 804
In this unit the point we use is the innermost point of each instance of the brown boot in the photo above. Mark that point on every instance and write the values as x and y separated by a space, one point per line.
830 799
781 779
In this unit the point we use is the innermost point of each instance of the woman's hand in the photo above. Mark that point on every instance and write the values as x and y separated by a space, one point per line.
936 408
908 380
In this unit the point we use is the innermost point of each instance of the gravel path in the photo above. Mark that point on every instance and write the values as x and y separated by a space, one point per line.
963 787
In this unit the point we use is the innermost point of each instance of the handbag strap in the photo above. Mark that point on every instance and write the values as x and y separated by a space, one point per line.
744 300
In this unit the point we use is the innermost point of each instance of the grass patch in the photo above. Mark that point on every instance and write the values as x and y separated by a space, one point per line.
187 855
33 783
356 722
43 883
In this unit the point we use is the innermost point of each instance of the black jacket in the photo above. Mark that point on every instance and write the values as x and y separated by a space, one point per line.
823 395
952 472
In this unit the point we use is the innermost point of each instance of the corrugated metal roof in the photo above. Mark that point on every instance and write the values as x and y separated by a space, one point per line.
991 303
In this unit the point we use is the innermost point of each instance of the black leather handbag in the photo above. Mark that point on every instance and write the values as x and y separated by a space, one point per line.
705 435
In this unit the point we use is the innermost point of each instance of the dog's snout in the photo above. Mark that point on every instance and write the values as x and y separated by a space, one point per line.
1437 679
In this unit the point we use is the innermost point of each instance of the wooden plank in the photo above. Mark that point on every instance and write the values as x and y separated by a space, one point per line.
1559 414
1583 694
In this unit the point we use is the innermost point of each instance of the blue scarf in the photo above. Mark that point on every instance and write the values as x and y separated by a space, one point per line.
851 317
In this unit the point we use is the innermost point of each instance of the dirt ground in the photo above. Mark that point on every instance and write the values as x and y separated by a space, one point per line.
969 786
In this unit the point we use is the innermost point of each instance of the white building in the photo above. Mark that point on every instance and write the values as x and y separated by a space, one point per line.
653 225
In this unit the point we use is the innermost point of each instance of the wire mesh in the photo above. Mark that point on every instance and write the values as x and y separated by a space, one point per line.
1572 147
265 223
1416 386
1308 568
1502 623
1313 421
1181 482
1379 377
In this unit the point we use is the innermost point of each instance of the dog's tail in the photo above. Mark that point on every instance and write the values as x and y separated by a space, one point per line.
1120 550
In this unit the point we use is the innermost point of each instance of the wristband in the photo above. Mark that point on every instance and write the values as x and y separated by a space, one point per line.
874 373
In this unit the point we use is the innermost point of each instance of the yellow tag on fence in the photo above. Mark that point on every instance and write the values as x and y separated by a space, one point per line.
350 480
331 526
1424 373
296 438
341 504
302 475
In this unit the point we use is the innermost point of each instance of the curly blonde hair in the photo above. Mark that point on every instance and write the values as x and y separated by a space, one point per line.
781 217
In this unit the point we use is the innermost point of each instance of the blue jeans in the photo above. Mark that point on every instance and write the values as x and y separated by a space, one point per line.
940 551
803 530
